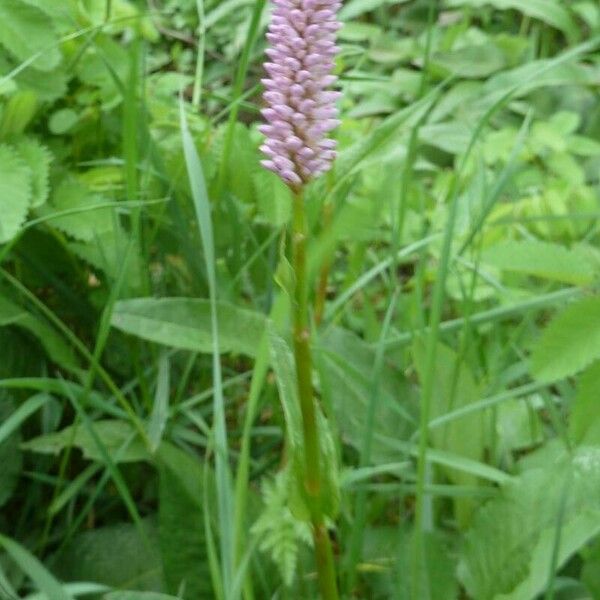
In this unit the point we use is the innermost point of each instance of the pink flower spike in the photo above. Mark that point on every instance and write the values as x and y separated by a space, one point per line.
300 110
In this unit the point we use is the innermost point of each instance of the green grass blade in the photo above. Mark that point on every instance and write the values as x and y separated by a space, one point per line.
223 475
30 565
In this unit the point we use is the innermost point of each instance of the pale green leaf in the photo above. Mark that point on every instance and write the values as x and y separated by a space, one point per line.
26 32
570 342
508 550
118 437
186 323
551 12
584 423
541 259
76 211
15 192
37 158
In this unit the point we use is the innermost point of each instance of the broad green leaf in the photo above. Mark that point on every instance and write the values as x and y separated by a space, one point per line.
551 12
570 342
113 434
186 323
472 62
452 136
541 259
37 158
34 569
59 12
26 32
15 189
181 524
115 555
508 550
345 364
575 533
534 75
49 88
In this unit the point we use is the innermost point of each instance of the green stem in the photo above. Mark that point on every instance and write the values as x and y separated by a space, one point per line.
312 470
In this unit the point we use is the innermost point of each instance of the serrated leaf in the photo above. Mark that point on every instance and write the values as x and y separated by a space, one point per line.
185 323
15 192
118 437
570 343
37 158
26 31
74 210
541 259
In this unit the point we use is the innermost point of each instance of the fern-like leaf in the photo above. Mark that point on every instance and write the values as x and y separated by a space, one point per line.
279 533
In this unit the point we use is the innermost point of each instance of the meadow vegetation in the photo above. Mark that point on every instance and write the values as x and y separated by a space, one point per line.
150 431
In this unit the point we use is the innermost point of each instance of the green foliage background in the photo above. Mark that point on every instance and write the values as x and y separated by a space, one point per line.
454 263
